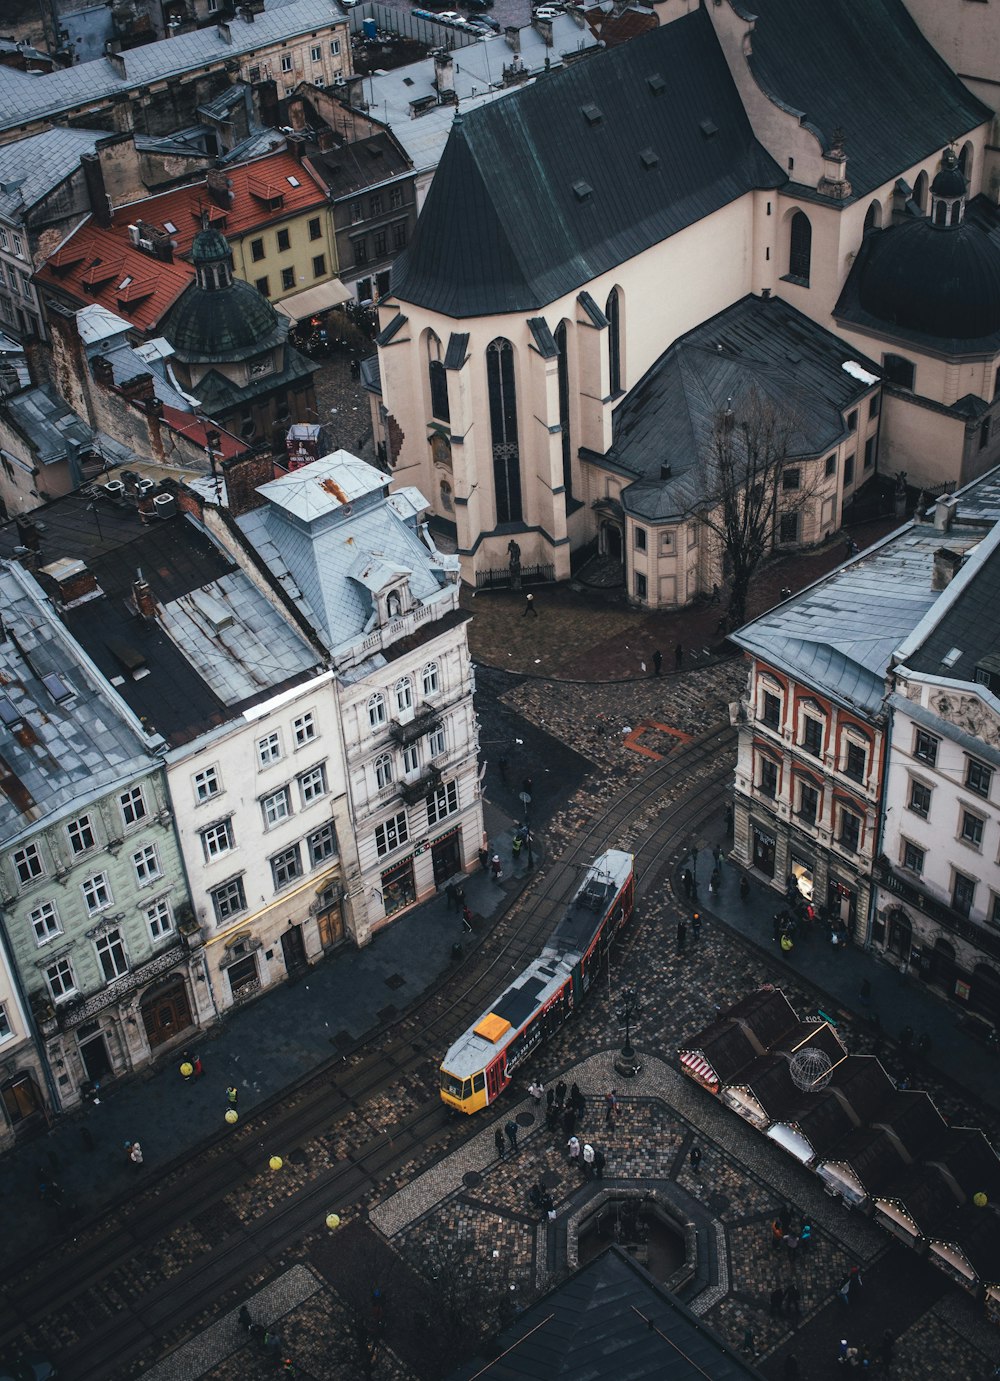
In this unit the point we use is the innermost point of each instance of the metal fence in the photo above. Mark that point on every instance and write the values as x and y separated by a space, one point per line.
408 25
505 577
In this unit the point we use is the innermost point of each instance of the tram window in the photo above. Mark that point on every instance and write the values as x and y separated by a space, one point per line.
449 1084
478 1083
467 1090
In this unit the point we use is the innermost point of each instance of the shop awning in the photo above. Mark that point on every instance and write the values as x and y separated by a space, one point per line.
314 300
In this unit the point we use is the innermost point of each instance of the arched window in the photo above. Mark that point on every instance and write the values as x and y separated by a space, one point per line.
438 379
393 604
503 430
873 217
920 191
383 771
446 500
567 448
431 679
376 710
612 310
800 247
965 159
403 692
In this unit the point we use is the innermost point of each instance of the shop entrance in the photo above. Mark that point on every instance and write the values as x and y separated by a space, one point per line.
763 851
166 1014
612 541
446 855
398 889
842 904
293 951
802 873
21 1102
96 1062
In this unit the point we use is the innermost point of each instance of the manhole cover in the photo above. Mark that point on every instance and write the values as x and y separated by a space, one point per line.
472 1179
394 981
526 1118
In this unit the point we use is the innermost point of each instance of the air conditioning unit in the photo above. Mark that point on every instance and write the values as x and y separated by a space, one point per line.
147 245
133 235
115 491
165 505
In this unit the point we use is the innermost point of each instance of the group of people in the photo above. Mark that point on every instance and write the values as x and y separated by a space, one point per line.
785 1238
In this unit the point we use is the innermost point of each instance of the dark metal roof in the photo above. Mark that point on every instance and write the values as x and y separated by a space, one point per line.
729 1050
823 1121
609 1321
912 1117
766 1014
662 431
868 70
230 323
862 1085
923 1192
456 354
872 1156
394 327
937 286
536 196
970 1160
969 624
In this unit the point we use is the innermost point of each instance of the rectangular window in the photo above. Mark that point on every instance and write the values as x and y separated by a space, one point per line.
217 839
812 736
19 246
319 265
312 784
286 867
978 777
322 844
436 743
284 241
269 749
357 212
304 729
207 784
263 286
315 228
5 1027
146 864
771 710
870 452
873 405
27 863
984 434
855 762
256 250
852 421
97 893
395 198
789 527
276 807
913 857
81 834
411 758
920 799
925 747
111 953
640 539
963 893
850 830
316 53
59 977
381 244
972 829
159 918
335 47
287 279
45 923
228 900
791 478
375 204
391 834
399 235
640 585
808 803
831 465
849 470
768 777
286 62
133 806
442 803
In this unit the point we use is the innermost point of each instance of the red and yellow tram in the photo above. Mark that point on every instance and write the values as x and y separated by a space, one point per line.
478 1067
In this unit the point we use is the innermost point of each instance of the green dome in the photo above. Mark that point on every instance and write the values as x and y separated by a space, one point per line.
231 323
208 246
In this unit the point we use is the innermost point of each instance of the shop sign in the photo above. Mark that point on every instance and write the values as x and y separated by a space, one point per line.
764 838
962 989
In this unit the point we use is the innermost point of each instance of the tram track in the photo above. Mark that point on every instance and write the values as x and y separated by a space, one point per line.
67 1287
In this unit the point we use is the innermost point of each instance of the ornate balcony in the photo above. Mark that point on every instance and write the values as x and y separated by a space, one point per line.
426 718
946 916
428 781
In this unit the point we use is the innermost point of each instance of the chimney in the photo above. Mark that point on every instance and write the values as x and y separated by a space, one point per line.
244 474
142 598
945 512
97 195
117 61
224 32
947 564
28 534
138 389
444 71
665 471
513 36
324 140
218 188
544 28
69 581
102 371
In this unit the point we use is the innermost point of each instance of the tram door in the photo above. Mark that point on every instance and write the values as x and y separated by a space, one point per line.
494 1080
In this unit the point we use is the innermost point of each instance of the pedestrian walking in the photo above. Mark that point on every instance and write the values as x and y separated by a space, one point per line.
694 863
694 1156
517 844
529 607
657 662
714 880
588 1160
696 925
777 1233
805 1233
199 1068
749 1346
498 1143
91 1091
560 1093
687 882
791 1244
467 917
134 1152
535 1090
233 1094
451 892
792 1305
511 1130
777 1299
569 1121
599 1163
550 1097
744 890
842 1351
573 1147
678 656
502 766
484 859
610 1108
577 1101
681 936
246 1322
496 869
718 855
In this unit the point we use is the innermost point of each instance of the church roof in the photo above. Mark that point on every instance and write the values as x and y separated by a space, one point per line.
540 193
867 70
937 286
667 419
225 324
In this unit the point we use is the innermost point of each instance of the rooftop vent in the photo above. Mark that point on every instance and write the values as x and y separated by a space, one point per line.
57 688
582 191
649 158
708 128
951 656
656 84
10 716
592 114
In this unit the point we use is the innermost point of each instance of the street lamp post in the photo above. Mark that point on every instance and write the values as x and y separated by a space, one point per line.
626 1061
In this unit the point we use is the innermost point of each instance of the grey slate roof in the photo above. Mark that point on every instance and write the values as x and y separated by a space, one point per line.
839 634
507 226
594 1326
965 620
669 416
48 424
24 98
65 750
40 162
866 69
329 537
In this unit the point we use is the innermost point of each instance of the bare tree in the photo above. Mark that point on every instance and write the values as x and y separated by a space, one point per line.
747 494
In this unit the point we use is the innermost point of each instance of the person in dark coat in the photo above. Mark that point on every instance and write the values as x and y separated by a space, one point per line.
498 1143
569 1121
657 662
511 1130
681 936
560 1093
599 1163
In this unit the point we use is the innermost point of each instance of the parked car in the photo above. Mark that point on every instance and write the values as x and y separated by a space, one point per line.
486 21
546 12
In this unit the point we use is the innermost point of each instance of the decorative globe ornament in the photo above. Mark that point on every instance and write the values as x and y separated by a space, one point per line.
232 1117
333 1221
980 1199
187 1069
275 1162
810 1070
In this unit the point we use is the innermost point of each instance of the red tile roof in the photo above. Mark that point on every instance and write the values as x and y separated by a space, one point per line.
96 265
196 430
